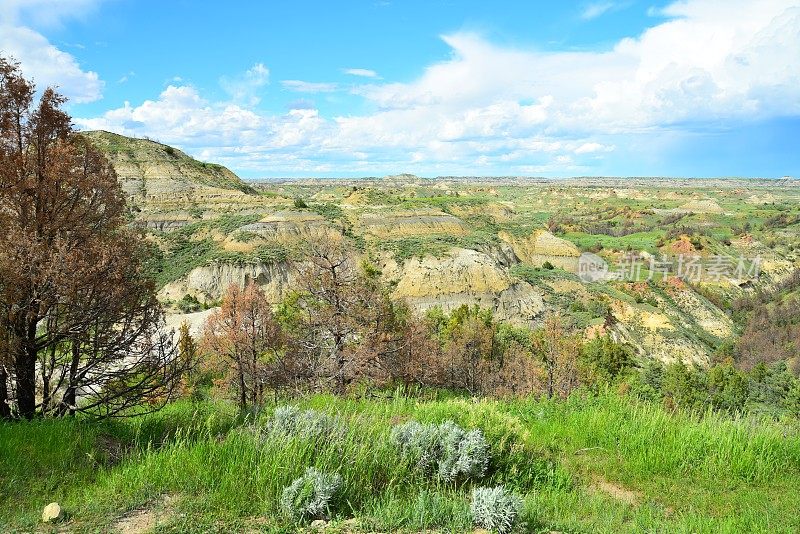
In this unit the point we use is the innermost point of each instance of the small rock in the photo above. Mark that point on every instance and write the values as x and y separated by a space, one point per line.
52 512
318 524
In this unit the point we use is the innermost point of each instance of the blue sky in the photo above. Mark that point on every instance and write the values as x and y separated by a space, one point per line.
317 88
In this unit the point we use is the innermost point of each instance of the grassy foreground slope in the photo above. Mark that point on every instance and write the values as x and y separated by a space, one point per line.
589 464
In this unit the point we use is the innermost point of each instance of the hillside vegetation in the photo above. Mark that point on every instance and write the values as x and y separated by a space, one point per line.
510 245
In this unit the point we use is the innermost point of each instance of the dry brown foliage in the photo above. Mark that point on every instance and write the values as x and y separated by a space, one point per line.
75 305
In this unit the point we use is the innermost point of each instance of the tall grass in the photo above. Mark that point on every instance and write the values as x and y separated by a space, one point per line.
691 474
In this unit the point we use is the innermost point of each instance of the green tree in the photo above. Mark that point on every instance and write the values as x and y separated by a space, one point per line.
727 387
685 387
603 360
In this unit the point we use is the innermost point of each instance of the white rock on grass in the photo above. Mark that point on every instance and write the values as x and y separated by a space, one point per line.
52 512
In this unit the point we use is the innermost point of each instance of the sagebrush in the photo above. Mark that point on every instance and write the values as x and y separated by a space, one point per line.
495 509
446 450
309 496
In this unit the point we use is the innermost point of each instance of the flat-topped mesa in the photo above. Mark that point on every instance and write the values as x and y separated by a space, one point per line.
155 173
290 227
411 223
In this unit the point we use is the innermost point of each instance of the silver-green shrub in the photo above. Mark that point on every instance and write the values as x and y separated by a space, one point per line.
291 421
495 509
418 442
309 496
445 450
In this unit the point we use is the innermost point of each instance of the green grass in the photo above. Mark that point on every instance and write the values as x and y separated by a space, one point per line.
435 245
638 241
533 274
443 202
680 473
406 248
332 212
265 254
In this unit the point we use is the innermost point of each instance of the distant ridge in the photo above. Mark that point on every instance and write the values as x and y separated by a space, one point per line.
149 170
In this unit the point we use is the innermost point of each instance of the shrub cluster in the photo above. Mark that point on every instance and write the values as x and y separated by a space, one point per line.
495 509
309 496
445 451
291 421
770 390
189 304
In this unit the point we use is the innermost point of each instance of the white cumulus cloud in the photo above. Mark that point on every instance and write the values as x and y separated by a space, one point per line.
509 109
180 115
39 59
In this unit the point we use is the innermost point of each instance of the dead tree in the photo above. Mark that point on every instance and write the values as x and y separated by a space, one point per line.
245 334
75 303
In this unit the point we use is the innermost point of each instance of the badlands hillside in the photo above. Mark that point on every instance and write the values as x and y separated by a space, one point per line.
512 245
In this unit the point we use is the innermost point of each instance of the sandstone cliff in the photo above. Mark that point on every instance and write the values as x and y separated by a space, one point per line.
289 226
411 223
541 246
209 282
463 276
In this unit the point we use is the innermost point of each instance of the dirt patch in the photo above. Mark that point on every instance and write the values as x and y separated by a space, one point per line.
146 518
673 282
702 206
682 246
136 522
567 286
232 245
617 491
111 450
595 330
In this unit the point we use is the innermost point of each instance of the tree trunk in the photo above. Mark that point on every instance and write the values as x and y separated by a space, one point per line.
5 409
256 377
242 385
68 401
339 358
70 395
25 370
46 372
341 385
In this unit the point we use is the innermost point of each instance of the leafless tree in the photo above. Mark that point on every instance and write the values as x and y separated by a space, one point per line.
336 303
